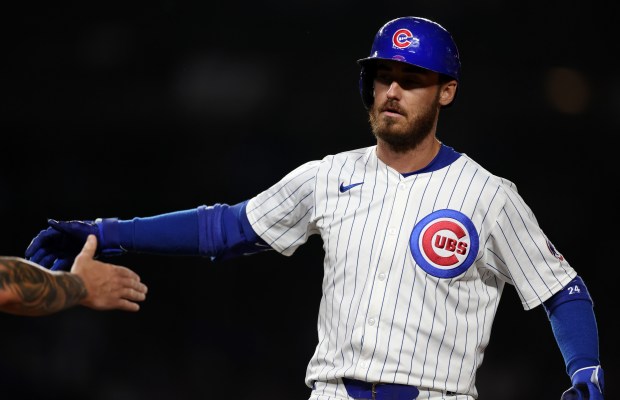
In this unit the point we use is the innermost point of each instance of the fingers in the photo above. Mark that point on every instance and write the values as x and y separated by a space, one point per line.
34 245
134 294
49 245
133 291
90 246
40 242
130 284
47 260
53 223
123 289
127 302
125 272
73 228
126 305
56 225
40 256
61 264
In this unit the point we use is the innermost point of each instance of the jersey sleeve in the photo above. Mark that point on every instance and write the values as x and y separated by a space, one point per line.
523 256
282 215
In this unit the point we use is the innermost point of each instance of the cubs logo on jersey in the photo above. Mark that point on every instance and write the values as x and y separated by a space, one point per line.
554 251
444 243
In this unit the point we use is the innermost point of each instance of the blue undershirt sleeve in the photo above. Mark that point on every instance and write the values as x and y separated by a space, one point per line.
175 233
574 326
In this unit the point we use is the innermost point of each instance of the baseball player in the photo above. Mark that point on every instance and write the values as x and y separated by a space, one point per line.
419 239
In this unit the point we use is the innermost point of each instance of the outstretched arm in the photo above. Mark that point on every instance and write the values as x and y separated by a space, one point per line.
31 290
572 318
219 232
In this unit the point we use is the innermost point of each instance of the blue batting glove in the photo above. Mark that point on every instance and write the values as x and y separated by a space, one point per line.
588 384
52 249
55 248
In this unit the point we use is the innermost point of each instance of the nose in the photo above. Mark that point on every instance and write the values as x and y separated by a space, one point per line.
394 91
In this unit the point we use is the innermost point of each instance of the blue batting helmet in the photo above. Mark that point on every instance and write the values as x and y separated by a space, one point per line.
412 40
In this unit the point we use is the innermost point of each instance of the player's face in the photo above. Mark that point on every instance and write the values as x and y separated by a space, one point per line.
406 105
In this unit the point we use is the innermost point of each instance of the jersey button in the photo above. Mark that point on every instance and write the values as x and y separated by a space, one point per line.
382 276
401 186
371 321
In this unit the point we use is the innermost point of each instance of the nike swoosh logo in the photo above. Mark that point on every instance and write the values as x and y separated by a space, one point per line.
344 188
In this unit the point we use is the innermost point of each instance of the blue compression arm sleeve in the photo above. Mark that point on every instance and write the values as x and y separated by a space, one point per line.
220 232
574 326
173 233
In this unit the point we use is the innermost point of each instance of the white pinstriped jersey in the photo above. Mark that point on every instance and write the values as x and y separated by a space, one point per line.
414 266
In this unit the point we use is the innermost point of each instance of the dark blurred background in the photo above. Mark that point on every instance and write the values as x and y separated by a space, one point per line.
129 109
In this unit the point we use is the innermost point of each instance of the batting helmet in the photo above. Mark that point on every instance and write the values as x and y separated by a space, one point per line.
412 40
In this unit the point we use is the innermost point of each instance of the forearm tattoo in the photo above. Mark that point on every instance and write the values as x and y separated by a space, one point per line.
39 291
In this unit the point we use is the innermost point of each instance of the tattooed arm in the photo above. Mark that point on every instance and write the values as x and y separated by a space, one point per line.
27 289
31 290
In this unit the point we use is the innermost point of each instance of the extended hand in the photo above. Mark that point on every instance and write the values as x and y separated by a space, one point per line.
107 286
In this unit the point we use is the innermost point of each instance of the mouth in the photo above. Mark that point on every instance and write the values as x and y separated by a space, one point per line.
391 109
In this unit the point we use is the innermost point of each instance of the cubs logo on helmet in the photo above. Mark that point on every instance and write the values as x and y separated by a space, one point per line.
403 38
444 243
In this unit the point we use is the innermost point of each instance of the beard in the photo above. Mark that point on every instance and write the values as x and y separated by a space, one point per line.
400 138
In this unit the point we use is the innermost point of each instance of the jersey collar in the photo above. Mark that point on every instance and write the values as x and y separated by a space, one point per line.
446 156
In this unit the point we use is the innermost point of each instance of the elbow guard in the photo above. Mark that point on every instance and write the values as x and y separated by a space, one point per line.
226 232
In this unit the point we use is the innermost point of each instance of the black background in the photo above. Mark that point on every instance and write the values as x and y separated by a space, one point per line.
113 110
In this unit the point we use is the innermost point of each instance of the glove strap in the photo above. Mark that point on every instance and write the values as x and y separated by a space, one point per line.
109 236
592 374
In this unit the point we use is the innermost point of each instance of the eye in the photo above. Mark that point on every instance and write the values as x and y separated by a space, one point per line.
411 82
384 78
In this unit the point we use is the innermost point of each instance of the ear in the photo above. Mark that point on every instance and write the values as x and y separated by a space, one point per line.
447 92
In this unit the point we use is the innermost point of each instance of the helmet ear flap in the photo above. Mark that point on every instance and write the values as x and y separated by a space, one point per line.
366 85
